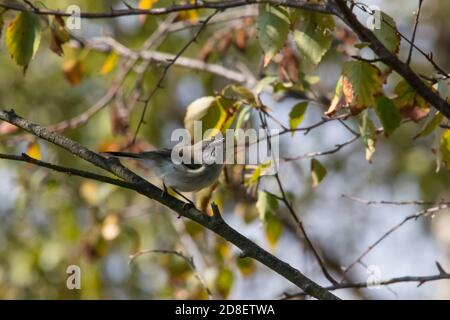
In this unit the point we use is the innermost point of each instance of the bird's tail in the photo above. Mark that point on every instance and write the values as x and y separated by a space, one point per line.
122 154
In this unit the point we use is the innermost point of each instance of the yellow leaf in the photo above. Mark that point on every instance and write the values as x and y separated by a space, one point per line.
189 15
110 63
110 227
145 5
89 192
445 148
34 151
74 71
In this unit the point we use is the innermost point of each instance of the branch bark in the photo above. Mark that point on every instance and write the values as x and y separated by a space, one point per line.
134 182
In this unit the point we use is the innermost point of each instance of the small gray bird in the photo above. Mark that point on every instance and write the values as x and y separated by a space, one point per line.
186 176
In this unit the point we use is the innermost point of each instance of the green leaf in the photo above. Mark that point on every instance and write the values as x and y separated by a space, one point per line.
387 32
297 115
431 125
314 35
224 282
259 87
445 148
23 36
259 171
318 172
388 35
389 115
273 229
273 27
361 84
266 204
246 266
368 134
239 93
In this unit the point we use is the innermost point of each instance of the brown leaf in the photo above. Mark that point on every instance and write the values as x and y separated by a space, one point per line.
415 113
206 51
60 35
225 43
289 65
74 71
240 39
345 36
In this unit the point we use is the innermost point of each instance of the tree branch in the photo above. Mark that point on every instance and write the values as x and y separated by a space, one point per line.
130 11
134 182
442 275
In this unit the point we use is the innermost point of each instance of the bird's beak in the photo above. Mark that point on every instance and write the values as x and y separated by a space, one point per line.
217 142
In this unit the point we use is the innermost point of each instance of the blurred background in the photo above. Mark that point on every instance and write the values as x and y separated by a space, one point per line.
49 221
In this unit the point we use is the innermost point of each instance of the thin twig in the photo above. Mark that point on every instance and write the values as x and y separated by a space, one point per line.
413 38
284 199
423 213
442 275
164 73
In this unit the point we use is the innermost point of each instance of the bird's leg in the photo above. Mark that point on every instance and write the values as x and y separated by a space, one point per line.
189 202
164 192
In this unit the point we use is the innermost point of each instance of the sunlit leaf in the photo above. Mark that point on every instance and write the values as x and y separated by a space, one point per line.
215 113
431 125
266 204
145 5
338 99
445 148
368 134
258 172
34 150
23 36
361 84
110 63
318 172
314 35
388 113
74 71
297 115
110 227
273 28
